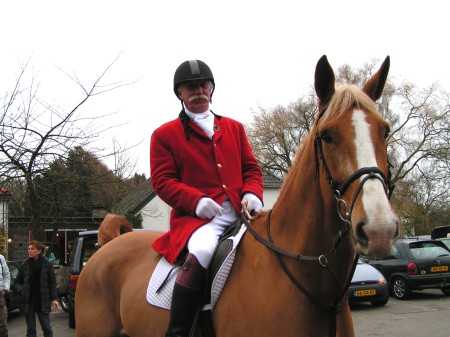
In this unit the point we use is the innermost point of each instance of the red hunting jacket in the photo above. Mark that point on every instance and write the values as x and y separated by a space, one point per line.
185 170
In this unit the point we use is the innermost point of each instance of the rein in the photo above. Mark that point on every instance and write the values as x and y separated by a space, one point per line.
369 173
334 307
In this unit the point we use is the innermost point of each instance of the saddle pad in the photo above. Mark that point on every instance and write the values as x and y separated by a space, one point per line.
163 298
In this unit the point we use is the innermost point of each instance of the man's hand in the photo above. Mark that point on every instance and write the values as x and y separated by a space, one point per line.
208 208
253 203
55 305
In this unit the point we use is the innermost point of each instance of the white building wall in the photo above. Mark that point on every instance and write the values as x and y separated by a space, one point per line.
156 213
270 196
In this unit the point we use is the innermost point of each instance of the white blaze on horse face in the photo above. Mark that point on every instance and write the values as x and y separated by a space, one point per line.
365 152
374 200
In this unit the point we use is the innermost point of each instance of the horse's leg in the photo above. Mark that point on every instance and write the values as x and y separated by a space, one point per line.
139 318
97 299
345 323
110 298
99 318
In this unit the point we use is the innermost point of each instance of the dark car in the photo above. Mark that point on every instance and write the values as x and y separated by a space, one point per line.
440 232
83 247
12 297
368 285
415 264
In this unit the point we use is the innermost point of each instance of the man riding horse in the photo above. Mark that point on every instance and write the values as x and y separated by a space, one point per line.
202 165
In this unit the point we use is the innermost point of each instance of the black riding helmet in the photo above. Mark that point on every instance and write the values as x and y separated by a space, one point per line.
192 70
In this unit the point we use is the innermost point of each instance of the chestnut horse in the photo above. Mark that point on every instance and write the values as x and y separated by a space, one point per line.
293 265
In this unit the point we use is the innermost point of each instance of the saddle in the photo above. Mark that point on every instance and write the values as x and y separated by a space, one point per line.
159 291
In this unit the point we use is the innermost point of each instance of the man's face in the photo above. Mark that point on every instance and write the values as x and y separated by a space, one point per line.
196 95
33 252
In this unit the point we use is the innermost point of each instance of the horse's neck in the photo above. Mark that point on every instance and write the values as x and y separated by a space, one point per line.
300 216
300 223
304 219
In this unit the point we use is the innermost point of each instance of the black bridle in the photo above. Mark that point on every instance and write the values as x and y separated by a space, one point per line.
338 191
334 307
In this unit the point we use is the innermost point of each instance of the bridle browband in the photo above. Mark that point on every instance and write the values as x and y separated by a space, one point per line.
369 173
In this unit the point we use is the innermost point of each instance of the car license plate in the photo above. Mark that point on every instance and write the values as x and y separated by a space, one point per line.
369 292
438 269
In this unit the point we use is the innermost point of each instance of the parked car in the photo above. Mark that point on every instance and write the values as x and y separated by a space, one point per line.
368 285
84 246
60 267
440 232
12 297
415 264
446 241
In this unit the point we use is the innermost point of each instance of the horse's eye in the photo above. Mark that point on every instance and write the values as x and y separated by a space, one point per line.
326 137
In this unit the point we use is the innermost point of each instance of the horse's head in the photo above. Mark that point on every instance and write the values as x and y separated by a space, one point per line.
351 148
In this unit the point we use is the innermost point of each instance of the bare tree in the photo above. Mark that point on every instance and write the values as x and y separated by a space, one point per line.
275 134
418 143
35 134
419 149
421 133
124 168
421 202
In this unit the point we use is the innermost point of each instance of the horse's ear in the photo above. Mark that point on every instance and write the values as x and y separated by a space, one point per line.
374 87
324 80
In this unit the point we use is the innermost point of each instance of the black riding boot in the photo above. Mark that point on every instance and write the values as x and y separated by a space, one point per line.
186 296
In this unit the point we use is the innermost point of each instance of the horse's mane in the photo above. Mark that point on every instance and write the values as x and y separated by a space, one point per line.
346 96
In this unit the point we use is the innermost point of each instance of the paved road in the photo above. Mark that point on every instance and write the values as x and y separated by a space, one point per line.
18 328
426 314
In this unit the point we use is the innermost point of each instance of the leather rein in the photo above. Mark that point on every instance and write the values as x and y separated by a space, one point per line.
369 173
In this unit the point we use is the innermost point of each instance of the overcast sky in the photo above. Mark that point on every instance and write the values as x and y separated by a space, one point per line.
262 53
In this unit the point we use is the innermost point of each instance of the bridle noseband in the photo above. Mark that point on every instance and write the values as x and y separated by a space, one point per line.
369 173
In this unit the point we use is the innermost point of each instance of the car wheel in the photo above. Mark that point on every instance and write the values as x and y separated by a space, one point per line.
400 289
446 291
64 303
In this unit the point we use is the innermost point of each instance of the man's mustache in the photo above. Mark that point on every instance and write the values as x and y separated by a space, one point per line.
198 97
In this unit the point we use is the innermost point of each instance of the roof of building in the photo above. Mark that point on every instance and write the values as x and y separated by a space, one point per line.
137 199
271 180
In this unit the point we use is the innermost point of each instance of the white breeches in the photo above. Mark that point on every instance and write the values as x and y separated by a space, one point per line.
204 240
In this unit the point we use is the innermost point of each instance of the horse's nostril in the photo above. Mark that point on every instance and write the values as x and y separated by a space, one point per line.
361 235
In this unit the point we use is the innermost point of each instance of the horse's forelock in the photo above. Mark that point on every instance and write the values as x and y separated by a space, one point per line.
346 97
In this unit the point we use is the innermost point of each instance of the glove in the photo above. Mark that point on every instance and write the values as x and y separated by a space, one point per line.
253 203
208 208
